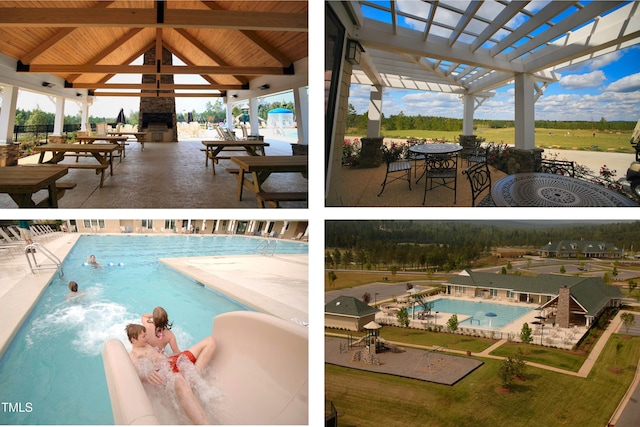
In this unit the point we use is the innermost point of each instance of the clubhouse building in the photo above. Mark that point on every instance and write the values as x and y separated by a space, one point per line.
580 248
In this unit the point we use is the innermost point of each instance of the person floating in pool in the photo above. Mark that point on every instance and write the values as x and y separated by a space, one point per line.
73 287
159 369
159 330
92 261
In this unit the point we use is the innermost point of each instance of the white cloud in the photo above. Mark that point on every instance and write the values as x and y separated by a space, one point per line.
604 60
581 81
626 84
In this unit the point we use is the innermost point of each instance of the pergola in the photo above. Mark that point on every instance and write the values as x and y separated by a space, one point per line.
73 50
467 48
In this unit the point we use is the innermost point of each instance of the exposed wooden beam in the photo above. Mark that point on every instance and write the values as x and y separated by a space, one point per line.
151 69
157 94
148 18
151 86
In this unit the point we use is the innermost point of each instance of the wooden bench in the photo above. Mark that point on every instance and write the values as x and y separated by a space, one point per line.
61 187
100 168
273 199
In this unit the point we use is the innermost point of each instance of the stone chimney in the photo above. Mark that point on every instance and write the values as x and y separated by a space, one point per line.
564 305
158 114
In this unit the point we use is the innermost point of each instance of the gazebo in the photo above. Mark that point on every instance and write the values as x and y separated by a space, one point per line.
463 48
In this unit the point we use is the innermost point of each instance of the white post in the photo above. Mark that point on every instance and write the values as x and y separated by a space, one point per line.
229 114
467 120
85 116
8 113
58 124
525 111
254 121
375 112
301 100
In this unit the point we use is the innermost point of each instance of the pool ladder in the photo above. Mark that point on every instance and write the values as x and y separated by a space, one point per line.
266 246
30 252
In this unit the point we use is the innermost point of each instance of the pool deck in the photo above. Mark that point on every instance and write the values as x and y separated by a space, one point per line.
277 285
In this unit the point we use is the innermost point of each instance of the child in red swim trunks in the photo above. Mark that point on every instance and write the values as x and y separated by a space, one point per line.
199 354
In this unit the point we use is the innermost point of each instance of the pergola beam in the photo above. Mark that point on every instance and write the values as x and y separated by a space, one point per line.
151 86
152 18
162 94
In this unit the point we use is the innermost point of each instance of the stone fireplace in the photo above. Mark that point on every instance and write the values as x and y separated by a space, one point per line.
158 114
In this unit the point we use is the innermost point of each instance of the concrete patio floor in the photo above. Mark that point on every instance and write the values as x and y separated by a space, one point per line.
166 175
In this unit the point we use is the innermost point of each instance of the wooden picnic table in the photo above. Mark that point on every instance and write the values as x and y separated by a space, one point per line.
103 153
139 136
214 147
260 167
113 139
22 182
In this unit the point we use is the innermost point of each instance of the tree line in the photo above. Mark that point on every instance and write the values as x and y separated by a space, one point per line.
403 122
449 245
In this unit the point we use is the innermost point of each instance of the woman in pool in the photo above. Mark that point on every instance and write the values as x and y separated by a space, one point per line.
159 330
73 287
92 261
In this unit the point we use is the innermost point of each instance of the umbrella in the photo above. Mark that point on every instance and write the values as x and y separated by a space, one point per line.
121 118
189 117
490 315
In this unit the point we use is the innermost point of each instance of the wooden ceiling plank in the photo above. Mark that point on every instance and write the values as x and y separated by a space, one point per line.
147 18
46 45
161 94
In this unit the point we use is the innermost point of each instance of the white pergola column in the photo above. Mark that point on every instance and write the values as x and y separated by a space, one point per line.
58 124
254 120
301 101
283 230
525 111
375 112
8 113
467 118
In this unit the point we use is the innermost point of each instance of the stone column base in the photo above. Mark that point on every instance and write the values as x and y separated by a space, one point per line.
9 154
520 160
300 149
370 154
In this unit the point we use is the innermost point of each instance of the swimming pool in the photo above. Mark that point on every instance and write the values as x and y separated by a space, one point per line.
54 363
505 313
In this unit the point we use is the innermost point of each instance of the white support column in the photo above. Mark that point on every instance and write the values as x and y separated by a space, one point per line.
8 113
525 111
254 121
467 119
375 112
283 230
58 124
85 116
301 100
229 114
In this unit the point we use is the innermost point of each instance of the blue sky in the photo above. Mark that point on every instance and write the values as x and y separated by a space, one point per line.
608 86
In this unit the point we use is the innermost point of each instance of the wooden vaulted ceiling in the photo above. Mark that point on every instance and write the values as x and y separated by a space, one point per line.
87 43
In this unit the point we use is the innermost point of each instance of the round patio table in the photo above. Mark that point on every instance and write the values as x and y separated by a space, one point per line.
426 149
551 190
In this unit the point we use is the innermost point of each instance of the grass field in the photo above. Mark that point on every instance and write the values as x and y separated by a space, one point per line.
545 138
545 398
350 279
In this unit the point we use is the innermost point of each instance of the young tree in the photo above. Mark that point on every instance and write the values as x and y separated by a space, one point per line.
403 317
509 266
503 270
562 269
619 346
519 365
526 335
452 323
331 276
394 270
366 298
628 320
505 372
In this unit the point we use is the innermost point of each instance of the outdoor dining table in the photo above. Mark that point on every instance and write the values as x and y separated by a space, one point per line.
214 147
260 167
22 182
114 139
103 153
537 189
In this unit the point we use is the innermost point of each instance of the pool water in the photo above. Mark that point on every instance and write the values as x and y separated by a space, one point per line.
54 364
505 313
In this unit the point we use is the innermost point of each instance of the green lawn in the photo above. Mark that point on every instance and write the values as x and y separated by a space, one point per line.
545 398
350 279
545 138
563 359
